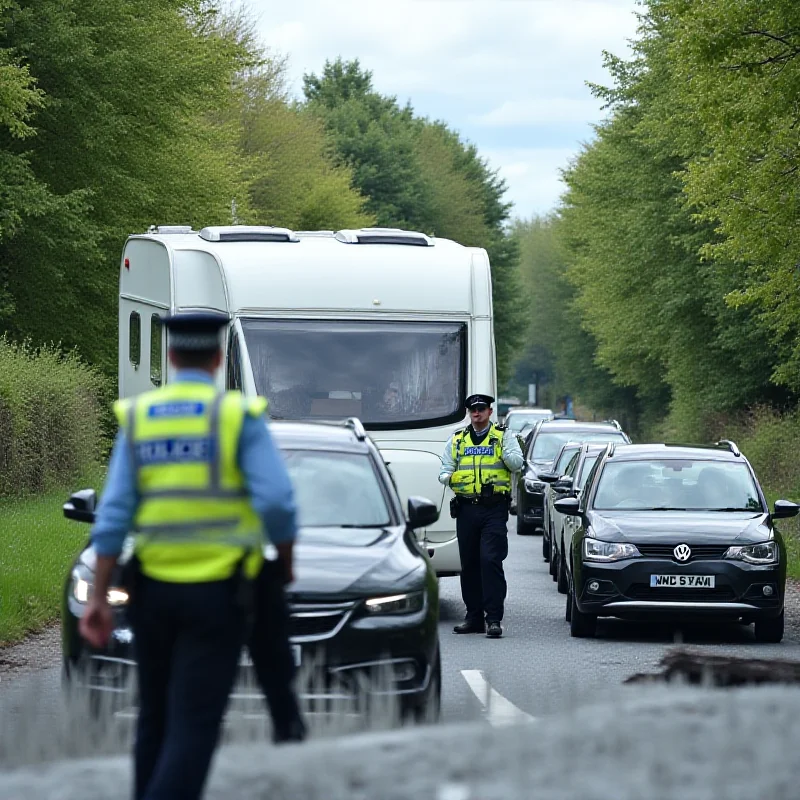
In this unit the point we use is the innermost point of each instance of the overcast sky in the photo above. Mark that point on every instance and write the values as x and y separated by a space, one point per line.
509 75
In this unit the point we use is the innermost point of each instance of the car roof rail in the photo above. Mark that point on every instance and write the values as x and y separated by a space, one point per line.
611 447
614 423
730 445
383 236
355 424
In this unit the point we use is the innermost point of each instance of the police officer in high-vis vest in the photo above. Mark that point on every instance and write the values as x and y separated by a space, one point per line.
477 464
195 475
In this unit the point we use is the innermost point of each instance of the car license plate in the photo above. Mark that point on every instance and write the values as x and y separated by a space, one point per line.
682 581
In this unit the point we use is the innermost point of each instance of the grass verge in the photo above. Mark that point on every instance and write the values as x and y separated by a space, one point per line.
37 546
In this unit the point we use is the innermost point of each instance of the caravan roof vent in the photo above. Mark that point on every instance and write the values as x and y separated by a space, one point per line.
384 236
175 229
247 233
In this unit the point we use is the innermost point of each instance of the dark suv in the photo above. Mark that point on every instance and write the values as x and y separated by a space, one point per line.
365 600
675 531
542 446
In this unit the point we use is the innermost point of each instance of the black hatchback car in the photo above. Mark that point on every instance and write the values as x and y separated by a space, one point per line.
676 531
365 600
541 449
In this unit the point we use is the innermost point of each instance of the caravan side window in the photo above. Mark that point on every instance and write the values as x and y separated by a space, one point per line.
135 339
234 364
156 347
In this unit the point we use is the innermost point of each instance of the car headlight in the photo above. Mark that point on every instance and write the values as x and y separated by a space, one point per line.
595 550
537 487
83 587
761 553
396 603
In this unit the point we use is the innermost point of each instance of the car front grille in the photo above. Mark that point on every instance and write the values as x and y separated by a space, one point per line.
700 552
311 622
641 591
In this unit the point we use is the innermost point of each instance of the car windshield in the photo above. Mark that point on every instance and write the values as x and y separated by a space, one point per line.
521 419
677 484
547 445
388 374
336 490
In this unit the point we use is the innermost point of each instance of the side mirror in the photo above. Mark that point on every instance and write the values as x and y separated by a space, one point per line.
563 485
548 477
421 512
81 506
785 509
568 505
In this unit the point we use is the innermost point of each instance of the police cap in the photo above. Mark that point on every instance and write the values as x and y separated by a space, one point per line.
479 400
195 330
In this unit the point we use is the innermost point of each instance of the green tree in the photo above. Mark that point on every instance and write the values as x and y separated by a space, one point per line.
128 133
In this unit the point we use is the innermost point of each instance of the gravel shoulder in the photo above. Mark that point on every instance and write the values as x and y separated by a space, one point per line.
37 652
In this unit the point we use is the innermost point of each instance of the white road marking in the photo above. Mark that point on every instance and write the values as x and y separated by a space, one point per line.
453 791
499 710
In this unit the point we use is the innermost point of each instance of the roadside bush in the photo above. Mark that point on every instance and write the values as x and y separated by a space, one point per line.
52 419
769 440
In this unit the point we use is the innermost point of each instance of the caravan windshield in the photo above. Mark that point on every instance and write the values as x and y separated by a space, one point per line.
388 374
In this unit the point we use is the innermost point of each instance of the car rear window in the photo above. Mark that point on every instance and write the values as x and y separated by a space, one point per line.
547 445
677 484
334 490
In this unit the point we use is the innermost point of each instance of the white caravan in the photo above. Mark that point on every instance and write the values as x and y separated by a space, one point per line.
389 326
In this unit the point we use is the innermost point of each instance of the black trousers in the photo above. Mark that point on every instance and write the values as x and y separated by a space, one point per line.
271 654
483 546
188 641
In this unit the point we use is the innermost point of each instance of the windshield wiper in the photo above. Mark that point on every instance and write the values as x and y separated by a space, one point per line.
663 508
352 525
731 508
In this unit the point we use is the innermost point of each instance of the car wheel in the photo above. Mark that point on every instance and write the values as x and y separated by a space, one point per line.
769 630
430 709
554 562
562 583
568 609
523 528
581 626
545 547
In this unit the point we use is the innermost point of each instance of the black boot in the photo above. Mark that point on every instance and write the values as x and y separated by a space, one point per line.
468 626
494 630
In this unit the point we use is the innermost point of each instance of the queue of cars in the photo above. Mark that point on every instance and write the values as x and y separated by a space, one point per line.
365 600
653 530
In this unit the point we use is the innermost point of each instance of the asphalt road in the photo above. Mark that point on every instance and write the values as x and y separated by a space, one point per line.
537 668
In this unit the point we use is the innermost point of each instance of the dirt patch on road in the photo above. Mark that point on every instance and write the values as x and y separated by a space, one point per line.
37 652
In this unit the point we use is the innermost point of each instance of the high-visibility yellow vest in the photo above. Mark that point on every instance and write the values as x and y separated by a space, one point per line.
194 521
477 465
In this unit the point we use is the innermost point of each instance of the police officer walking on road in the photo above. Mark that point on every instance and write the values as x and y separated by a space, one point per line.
195 475
477 464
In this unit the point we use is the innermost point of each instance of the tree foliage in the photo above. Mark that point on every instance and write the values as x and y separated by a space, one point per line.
678 226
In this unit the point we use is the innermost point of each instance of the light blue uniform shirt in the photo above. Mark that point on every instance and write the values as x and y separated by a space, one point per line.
512 457
267 480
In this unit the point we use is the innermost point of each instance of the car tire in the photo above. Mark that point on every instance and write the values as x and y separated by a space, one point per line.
429 711
545 548
562 584
553 563
524 528
581 626
568 609
770 630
